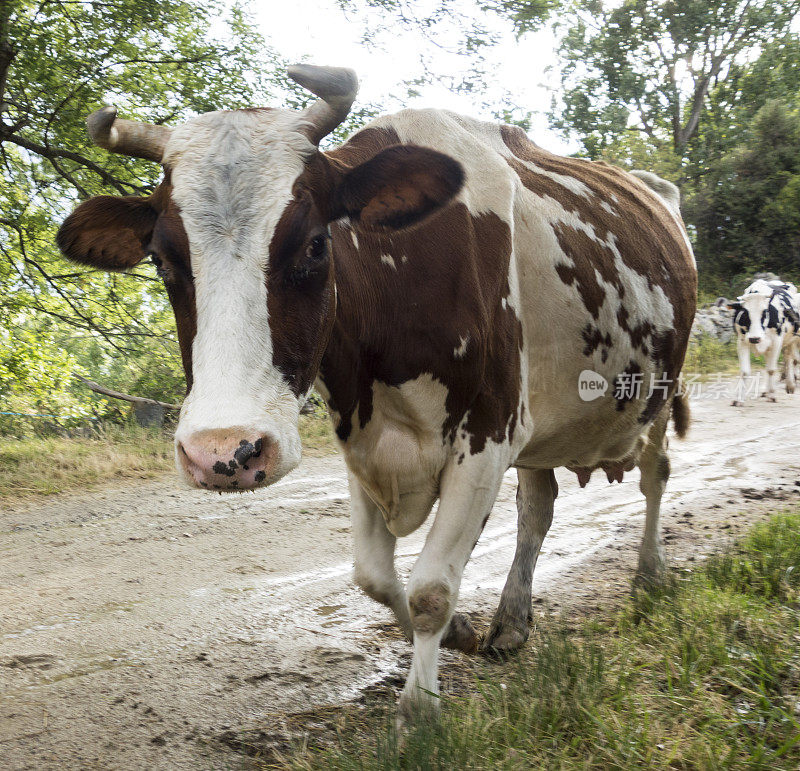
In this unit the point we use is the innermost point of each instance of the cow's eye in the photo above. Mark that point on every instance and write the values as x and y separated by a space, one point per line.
317 247
161 270
313 264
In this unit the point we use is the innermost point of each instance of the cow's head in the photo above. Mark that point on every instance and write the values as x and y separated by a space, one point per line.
756 316
238 230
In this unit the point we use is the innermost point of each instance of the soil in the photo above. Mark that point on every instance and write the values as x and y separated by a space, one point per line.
145 626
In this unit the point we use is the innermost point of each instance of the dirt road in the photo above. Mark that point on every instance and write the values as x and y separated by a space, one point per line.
141 623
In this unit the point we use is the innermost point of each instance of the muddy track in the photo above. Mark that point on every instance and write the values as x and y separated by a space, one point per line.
140 624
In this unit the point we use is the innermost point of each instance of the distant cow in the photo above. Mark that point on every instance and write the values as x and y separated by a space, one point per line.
764 321
447 284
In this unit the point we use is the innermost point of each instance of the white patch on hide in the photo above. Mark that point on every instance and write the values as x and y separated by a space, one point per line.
461 350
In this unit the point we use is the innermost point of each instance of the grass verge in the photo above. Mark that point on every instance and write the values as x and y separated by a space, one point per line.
39 466
706 355
316 433
701 675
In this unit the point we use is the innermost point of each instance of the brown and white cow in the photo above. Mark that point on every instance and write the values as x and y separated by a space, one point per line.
445 283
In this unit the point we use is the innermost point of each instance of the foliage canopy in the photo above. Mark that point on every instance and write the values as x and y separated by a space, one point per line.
157 60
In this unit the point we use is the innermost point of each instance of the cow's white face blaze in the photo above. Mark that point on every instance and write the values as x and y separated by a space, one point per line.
756 305
232 175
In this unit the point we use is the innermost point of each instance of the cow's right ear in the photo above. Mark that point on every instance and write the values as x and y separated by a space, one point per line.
108 232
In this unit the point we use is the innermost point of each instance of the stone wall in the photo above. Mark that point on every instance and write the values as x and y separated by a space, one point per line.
716 321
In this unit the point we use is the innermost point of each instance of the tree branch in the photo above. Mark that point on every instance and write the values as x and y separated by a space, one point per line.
97 388
7 55
50 154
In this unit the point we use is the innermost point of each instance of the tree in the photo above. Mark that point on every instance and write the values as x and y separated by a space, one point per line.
747 211
649 65
734 102
59 60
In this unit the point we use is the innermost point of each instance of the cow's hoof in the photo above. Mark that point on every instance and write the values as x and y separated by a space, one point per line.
737 403
651 571
772 399
647 580
412 712
460 635
789 389
403 720
504 639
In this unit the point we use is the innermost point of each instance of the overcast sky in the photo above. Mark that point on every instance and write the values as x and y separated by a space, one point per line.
320 32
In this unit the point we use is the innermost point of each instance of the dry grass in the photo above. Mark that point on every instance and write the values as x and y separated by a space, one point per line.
316 432
41 466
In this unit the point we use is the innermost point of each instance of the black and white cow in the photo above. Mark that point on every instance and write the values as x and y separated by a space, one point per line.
764 320
447 284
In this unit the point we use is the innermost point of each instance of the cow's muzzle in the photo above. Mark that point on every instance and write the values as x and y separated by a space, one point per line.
228 459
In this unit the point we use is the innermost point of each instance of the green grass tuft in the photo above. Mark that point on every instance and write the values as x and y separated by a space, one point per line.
703 674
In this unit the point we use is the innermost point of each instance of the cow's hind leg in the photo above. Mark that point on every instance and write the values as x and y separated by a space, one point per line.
654 468
790 356
536 492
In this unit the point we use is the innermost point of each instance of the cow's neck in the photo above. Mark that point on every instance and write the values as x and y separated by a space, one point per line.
387 315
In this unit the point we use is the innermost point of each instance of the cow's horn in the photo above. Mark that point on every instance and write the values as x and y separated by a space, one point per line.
127 137
336 87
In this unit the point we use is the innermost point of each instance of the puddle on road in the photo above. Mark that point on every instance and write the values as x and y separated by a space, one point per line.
328 610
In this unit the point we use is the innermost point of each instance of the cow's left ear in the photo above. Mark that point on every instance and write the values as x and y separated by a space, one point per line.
397 188
734 306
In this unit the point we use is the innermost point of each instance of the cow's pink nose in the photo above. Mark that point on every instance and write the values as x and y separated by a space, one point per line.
230 459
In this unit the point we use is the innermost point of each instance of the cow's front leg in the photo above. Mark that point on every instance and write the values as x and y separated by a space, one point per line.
771 360
536 493
374 548
467 494
374 556
743 354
